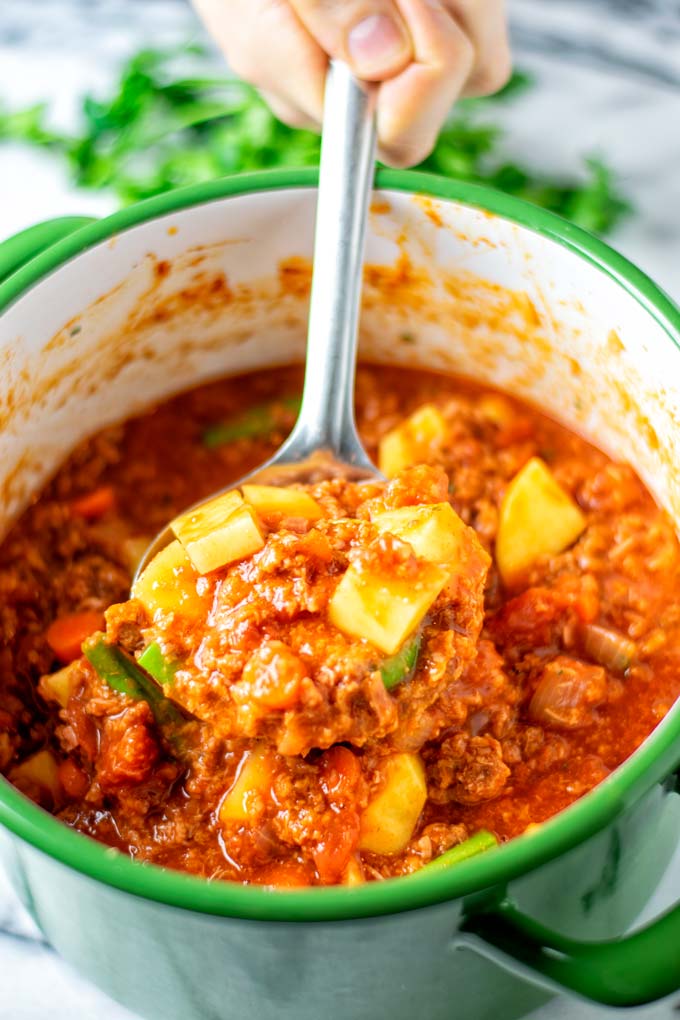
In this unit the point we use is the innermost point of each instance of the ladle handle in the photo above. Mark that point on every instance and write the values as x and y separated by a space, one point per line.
326 418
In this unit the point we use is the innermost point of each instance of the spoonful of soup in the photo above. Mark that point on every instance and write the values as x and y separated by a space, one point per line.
315 606
324 442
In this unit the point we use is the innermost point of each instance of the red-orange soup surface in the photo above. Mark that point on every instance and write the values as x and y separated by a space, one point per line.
343 686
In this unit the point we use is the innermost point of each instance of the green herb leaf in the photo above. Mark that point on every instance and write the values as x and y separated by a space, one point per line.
164 126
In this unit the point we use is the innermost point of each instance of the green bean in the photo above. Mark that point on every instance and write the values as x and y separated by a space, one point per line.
402 664
477 844
255 423
124 675
158 665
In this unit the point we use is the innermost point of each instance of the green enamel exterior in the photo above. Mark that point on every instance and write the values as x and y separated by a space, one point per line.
170 945
20 249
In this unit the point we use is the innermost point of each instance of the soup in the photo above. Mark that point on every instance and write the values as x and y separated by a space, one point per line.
333 683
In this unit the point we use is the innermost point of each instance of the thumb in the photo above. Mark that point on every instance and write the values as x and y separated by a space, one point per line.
369 34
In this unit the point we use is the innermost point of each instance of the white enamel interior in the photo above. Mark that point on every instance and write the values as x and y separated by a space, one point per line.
86 346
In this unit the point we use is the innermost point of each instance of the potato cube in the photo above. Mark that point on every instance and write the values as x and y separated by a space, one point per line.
246 800
390 818
201 520
219 532
384 610
168 584
60 686
39 770
353 873
412 441
200 529
275 499
433 531
537 518
240 536
394 453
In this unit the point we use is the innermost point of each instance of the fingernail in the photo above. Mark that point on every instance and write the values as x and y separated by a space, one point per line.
375 45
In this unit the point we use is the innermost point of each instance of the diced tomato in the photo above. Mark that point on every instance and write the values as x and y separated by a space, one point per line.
532 619
538 616
272 677
66 634
84 729
583 594
73 779
285 875
337 846
128 749
516 431
315 545
94 504
340 773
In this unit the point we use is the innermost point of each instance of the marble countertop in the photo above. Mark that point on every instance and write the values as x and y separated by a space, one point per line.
608 74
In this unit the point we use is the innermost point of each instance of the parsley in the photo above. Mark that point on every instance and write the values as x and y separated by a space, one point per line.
161 129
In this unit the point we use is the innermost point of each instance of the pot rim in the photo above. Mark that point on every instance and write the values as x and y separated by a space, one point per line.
575 824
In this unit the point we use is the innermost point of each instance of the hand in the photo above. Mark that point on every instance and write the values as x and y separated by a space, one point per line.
423 53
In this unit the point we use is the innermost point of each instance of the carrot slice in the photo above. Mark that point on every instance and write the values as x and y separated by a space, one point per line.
340 773
336 846
94 504
66 634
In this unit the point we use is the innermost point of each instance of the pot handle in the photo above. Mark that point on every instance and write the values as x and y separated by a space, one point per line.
16 251
642 967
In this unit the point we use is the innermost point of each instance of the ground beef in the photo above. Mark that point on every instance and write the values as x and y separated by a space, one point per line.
509 714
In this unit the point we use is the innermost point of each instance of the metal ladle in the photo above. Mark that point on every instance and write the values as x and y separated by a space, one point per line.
324 442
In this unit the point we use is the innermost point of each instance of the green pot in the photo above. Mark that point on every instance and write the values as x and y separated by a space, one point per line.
91 331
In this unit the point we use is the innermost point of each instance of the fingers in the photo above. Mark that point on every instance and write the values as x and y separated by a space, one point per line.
369 34
485 24
413 106
266 44
289 114
424 54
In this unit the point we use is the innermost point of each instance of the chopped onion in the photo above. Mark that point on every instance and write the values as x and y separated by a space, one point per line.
608 647
567 693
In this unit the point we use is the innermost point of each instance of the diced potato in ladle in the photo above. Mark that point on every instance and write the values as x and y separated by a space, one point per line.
168 584
270 499
384 610
434 532
219 532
